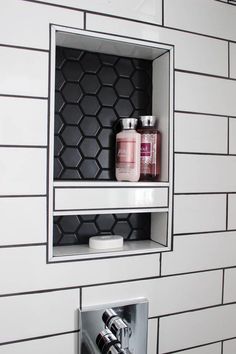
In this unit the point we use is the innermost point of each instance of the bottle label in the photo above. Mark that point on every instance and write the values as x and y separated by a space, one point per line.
148 153
145 149
125 152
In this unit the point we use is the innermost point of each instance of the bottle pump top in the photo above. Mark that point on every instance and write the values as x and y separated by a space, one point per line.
149 121
129 123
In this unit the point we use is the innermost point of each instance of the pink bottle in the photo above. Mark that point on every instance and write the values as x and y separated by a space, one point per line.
150 164
128 151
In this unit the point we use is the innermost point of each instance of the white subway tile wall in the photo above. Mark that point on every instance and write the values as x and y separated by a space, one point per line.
229 346
231 211
47 313
203 94
23 121
199 213
55 344
205 349
232 71
152 336
204 173
230 285
201 133
191 289
197 327
232 134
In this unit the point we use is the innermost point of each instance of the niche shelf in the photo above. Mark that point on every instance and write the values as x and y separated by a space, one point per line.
84 201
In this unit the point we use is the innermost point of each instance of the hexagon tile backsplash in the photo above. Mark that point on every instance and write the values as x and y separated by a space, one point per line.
92 92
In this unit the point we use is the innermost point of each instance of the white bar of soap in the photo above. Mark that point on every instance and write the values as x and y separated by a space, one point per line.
106 242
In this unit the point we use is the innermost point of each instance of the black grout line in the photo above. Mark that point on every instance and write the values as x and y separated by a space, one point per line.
23 146
220 154
160 260
96 285
204 114
227 212
24 245
85 19
229 71
23 196
80 299
38 338
158 335
222 347
199 309
163 13
201 232
204 74
228 135
131 20
24 48
200 193
223 286
194 347
23 96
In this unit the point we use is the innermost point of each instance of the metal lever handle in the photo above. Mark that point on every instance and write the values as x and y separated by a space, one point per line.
118 327
108 343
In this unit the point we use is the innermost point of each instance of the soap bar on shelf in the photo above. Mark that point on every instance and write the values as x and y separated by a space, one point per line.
106 242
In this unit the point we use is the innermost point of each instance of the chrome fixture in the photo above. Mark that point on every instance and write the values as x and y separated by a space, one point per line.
109 344
114 329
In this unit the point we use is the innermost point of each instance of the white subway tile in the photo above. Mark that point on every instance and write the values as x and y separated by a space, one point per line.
208 48
230 285
33 30
29 217
232 211
56 344
199 213
152 336
203 94
206 349
202 16
200 252
25 269
196 328
35 315
232 135
229 346
165 295
232 65
205 173
200 133
23 121
23 171
148 10
23 72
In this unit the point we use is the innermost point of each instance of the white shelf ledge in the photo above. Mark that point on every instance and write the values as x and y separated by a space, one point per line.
108 184
82 252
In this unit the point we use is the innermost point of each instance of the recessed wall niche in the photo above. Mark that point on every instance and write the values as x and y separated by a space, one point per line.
94 90
95 80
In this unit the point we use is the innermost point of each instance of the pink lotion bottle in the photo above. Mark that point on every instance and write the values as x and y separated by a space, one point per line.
128 143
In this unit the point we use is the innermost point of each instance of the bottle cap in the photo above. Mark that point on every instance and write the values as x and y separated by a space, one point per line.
106 242
149 121
129 123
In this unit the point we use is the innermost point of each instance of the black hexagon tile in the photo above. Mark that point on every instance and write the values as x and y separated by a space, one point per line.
78 229
93 91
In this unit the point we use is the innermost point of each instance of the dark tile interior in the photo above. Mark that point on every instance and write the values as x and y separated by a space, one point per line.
92 92
69 230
